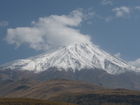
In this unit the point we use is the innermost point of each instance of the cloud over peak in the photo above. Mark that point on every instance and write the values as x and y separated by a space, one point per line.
49 32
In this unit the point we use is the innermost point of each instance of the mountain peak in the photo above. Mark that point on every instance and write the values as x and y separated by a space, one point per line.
76 56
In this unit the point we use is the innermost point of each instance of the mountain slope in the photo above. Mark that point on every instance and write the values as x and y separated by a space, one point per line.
76 56
68 91
45 89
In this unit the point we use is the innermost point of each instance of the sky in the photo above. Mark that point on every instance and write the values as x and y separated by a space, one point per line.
31 27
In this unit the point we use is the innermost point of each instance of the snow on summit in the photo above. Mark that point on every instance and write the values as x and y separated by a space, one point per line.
76 56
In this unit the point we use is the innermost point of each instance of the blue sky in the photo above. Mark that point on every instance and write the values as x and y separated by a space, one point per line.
114 25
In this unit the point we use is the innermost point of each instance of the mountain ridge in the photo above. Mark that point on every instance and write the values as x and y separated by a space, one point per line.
75 57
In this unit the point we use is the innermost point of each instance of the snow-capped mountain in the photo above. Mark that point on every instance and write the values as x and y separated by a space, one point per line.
76 56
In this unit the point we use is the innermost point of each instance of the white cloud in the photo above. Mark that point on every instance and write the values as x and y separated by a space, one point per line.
3 23
107 2
49 32
122 11
135 63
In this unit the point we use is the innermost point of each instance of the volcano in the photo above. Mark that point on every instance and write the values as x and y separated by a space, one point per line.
73 57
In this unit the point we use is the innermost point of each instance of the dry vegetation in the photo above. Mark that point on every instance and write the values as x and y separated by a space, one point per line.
21 101
67 91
